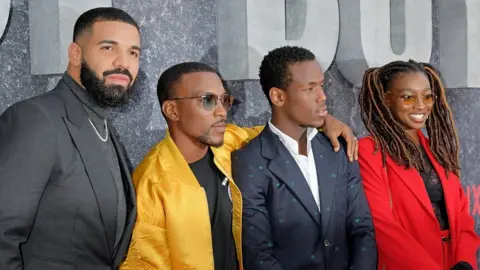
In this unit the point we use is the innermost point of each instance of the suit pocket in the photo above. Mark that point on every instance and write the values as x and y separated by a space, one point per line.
40 263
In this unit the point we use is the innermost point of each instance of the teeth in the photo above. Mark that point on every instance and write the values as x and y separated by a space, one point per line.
417 116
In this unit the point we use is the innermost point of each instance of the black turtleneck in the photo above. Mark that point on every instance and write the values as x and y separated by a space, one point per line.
98 115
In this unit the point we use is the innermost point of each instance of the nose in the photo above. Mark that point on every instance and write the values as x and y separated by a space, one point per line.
321 95
219 110
419 104
121 61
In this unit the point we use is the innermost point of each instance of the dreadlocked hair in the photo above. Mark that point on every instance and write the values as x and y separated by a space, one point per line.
389 135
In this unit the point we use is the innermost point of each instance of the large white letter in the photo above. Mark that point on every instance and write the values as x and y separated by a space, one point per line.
249 29
51 30
459 45
366 36
4 15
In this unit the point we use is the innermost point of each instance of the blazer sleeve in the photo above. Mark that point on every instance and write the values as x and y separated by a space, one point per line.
359 223
27 156
397 248
148 247
468 242
256 231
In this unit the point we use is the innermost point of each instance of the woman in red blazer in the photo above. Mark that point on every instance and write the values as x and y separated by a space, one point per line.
419 209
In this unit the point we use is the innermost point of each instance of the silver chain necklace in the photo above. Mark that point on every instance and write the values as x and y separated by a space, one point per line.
96 131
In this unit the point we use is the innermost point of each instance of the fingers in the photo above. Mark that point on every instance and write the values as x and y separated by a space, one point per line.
351 145
352 151
336 129
334 141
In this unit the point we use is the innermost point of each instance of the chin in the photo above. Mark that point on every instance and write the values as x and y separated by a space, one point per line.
412 125
318 123
118 87
216 143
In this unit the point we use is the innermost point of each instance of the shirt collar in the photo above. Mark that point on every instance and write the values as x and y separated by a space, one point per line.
288 141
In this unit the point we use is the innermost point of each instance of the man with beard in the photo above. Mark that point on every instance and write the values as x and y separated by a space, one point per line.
189 208
66 197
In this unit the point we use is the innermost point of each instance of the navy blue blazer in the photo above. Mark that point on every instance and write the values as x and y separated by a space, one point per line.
282 227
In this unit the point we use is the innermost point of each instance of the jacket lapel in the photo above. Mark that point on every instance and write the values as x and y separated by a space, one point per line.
326 166
284 167
414 182
130 199
96 166
126 175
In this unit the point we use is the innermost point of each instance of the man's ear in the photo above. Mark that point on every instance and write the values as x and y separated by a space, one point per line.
74 54
170 110
277 96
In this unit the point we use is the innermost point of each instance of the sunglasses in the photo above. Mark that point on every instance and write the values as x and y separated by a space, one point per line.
410 100
209 101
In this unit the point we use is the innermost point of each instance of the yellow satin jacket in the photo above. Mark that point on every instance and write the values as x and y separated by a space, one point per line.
172 230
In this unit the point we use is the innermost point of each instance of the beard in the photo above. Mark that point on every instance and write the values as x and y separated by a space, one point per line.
207 140
106 95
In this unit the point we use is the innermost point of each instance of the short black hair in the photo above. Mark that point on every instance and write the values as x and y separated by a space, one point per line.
171 76
274 67
101 14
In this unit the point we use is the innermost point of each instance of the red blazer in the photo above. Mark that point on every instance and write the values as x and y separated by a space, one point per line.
408 235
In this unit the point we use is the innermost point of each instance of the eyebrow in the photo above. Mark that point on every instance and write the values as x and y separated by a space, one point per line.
203 91
316 82
113 42
108 42
413 90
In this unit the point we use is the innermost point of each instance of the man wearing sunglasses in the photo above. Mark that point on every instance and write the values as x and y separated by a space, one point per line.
189 208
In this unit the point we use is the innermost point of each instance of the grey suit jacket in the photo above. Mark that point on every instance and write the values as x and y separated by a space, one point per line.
58 200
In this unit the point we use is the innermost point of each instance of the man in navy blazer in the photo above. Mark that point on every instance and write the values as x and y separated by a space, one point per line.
303 204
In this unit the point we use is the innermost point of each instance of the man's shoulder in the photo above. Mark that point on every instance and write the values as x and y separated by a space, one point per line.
154 164
48 103
327 152
325 141
39 113
154 157
322 137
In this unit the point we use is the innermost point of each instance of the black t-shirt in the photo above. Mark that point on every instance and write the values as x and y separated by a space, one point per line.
435 192
220 210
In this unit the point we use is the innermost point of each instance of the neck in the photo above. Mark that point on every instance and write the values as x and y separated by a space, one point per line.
192 150
295 132
412 133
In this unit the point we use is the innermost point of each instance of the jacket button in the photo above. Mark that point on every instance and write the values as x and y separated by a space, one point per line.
327 243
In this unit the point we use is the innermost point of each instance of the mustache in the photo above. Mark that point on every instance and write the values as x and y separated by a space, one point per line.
118 71
222 122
